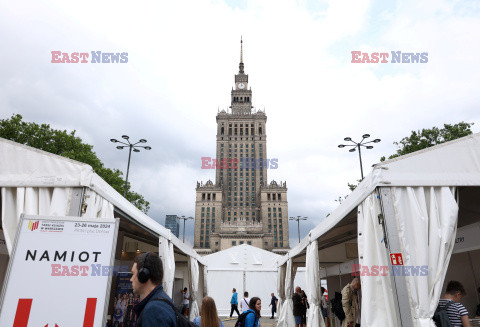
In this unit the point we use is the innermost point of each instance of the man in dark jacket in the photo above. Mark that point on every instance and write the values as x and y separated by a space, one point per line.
146 281
298 306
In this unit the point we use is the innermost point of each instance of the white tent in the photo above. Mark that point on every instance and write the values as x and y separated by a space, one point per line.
411 206
37 182
245 268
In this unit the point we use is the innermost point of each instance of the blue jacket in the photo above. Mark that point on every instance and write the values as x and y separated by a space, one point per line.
156 313
251 320
234 299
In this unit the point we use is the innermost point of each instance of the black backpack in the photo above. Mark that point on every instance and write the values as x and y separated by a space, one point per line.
181 320
241 319
337 306
440 317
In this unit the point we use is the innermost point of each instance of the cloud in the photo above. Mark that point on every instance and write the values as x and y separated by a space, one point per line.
182 58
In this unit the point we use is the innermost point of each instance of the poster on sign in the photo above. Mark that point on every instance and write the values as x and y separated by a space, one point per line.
59 273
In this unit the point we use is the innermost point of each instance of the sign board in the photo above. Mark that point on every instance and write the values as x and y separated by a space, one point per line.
59 273
467 238
396 259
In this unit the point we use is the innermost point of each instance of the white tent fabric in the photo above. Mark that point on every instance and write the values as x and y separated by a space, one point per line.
380 310
285 317
205 280
281 287
167 255
427 218
194 296
245 268
46 201
313 290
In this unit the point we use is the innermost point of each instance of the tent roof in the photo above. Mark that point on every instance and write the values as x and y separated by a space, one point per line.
242 257
454 163
25 166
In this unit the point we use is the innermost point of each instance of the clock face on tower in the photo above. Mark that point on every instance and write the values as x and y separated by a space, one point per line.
241 86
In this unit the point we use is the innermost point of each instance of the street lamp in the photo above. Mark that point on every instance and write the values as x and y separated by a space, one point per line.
131 147
298 218
184 219
358 145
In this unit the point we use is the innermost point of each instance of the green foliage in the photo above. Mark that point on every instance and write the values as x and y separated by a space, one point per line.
426 138
68 145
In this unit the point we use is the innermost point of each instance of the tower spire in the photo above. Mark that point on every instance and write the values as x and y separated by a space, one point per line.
241 55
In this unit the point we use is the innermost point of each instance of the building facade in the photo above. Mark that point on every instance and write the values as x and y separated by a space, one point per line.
171 222
241 207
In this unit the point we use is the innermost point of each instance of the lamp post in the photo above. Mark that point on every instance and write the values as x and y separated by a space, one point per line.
184 219
298 218
358 145
131 146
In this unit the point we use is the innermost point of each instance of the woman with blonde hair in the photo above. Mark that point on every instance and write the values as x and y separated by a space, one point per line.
208 314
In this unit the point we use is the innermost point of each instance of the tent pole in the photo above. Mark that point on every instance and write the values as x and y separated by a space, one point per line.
399 283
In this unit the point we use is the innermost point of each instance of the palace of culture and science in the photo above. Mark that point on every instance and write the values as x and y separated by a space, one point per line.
241 207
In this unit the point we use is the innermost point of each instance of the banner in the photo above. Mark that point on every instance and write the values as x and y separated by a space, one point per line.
125 300
59 272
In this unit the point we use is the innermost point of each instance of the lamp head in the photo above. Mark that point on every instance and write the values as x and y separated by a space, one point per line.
351 150
366 136
148 148
369 147
347 139
143 141
126 137
136 150
376 140
120 147
113 140
341 146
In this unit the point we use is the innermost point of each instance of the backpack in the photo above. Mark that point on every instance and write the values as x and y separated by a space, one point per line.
337 306
181 320
241 319
440 317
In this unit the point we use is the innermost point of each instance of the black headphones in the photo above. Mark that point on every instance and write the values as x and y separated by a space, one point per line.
144 273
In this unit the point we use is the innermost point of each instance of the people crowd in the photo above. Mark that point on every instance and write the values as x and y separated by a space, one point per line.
150 306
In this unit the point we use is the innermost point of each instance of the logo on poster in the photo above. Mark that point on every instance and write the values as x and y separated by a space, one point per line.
33 225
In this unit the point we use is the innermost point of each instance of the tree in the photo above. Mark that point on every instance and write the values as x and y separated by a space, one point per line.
67 145
426 138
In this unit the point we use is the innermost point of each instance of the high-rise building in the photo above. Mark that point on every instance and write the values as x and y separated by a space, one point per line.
241 207
171 222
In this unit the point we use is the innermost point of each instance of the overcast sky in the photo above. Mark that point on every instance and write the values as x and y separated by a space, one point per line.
182 57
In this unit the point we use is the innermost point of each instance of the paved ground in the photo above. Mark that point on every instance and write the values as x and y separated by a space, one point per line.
264 322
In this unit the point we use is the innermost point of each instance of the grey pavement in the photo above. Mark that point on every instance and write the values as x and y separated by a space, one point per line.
264 322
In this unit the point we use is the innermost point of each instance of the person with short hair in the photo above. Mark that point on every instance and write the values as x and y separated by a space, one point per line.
245 303
273 303
185 302
298 306
253 313
147 278
234 303
323 305
350 303
456 312
208 314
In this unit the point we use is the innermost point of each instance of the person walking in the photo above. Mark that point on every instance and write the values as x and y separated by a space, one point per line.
147 278
208 314
245 303
456 312
273 303
298 306
350 303
306 306
323 305
252 318
185 302
234 303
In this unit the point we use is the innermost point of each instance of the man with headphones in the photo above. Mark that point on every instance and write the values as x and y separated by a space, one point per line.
155 307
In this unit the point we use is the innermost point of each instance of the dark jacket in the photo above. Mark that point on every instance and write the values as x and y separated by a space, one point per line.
156 313
298 307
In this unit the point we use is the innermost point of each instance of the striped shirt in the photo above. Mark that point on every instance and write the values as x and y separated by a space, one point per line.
455 311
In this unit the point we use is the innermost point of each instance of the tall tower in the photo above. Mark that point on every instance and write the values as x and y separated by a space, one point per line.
241 207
